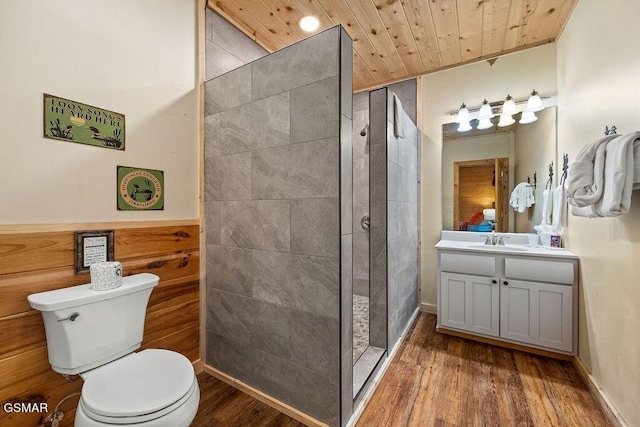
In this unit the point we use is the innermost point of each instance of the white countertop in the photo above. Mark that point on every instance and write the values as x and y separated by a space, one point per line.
508 249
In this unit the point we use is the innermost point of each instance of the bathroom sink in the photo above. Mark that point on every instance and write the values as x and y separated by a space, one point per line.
507 248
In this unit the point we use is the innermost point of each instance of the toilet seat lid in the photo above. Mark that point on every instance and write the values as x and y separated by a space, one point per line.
138 384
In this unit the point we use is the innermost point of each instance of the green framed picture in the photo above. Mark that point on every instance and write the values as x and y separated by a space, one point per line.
73 121
140 189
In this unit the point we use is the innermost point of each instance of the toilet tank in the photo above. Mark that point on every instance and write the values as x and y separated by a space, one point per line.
86 328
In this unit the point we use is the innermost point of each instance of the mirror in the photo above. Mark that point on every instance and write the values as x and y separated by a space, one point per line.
480 169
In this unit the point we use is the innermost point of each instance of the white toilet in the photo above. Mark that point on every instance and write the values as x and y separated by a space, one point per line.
94 334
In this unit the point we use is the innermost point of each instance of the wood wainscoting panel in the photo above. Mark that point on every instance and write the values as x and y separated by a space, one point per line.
32 262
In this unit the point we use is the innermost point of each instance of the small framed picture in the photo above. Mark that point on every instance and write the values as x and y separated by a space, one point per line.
93 247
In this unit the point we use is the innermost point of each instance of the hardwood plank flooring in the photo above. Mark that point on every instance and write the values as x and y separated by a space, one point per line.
224 406
441 380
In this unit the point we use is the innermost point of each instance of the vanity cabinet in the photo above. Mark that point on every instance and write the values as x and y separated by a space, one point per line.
515 298
537 313
470 303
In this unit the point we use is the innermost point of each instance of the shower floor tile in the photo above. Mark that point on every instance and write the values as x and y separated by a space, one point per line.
360 326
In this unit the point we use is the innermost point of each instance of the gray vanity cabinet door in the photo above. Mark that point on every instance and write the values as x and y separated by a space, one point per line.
536 313
470 303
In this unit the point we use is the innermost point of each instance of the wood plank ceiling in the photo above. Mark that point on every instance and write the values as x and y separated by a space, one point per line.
398 39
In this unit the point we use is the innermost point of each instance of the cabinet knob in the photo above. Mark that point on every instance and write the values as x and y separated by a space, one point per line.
505 283
494 281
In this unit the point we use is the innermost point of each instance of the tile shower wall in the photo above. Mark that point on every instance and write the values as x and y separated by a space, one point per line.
406 91
277 166
360 194
394 222
226 47
402 225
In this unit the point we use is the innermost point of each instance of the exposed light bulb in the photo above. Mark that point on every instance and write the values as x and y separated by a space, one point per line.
309 23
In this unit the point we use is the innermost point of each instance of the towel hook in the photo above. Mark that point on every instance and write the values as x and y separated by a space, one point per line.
550 181
535 180
565 168
610 130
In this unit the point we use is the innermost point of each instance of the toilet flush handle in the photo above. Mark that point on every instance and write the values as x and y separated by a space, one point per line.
73 317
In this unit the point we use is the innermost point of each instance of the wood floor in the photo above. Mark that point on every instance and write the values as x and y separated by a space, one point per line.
439 380
224 406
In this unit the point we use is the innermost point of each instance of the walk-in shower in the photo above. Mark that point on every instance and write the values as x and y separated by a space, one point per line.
385 210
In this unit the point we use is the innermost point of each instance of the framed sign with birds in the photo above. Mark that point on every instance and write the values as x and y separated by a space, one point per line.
73 121
140 189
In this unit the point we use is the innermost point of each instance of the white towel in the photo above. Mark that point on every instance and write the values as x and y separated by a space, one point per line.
585 183
399 118
547 207
522 197
559 208
621 175
618 175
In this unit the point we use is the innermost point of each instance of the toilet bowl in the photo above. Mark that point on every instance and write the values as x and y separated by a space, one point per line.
94 334
149 388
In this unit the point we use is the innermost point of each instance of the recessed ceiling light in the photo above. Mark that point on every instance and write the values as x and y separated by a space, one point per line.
309 23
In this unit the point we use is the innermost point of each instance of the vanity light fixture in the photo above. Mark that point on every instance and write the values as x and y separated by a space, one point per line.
509 109
484 124
484 116
534 103
509 106
485 110
528 117
463 119
505 120
309 23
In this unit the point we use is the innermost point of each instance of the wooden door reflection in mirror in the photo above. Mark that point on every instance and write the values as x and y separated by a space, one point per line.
478 185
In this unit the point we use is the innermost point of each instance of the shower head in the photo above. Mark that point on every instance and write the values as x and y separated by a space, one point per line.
363 132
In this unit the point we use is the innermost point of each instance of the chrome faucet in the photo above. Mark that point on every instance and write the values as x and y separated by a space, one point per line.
494 240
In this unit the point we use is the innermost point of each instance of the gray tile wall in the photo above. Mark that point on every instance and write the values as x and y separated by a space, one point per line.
378 213
227 48
407 93
360 194
278 202
402 224
393 179
346 227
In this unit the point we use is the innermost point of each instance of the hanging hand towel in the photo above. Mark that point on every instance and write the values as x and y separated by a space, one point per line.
522 197
547 204
559 208
399 118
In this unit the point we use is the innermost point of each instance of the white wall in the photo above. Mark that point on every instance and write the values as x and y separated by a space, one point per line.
133 57
458 150
516 74
598 85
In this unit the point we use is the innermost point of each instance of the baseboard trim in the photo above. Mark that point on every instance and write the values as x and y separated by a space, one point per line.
512 346
610 412
426 307
197 366
357 412
263 397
